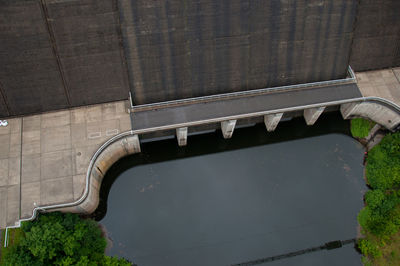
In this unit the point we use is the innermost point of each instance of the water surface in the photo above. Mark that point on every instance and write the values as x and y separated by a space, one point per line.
222 202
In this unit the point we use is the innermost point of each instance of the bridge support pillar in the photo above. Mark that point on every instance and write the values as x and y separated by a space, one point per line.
134 144
271 121
348 109
181 136
227 128
311 115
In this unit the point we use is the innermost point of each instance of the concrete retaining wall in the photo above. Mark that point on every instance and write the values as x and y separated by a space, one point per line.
374 111
110 155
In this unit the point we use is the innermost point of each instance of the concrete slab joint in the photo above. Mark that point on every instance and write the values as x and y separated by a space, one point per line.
311 115
271 121
181 136
227 128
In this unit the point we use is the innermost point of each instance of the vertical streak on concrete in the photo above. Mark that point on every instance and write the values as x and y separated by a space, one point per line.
234 51
122 49
274 37
322 73
172 51
345 13
354 24
135 64
3 96
271 121
312 68
227 128
245 51
162 66
181 136
197 44
49 28
291 45
311 115
168 66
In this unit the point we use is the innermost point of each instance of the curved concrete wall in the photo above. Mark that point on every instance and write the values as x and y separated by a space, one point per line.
374 111
111 154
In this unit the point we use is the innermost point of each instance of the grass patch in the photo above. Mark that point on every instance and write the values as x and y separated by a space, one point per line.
14 237
360 127
1 246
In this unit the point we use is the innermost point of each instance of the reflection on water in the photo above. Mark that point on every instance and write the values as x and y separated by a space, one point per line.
222 202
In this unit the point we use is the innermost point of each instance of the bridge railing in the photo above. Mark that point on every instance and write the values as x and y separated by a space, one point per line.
351 78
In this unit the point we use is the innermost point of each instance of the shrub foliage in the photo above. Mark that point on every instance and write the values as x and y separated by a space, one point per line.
60 239
380 219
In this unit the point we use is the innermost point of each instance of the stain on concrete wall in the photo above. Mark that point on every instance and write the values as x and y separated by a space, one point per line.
3 106
86 36
377 35
178 49
29 74
56 54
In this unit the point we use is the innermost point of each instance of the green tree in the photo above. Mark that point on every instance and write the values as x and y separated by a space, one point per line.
61 239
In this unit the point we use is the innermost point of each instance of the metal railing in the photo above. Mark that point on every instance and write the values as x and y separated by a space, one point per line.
350 79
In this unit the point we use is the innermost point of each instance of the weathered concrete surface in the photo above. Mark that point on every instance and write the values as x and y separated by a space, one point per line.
181 136
311 115
10 171
381 83
115 151
46 157
227 128
271 121
373 111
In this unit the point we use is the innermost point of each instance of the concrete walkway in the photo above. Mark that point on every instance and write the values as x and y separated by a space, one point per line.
380 83
245 105
44 158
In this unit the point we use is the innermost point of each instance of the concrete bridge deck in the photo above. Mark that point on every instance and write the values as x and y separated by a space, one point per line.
44 158
243 105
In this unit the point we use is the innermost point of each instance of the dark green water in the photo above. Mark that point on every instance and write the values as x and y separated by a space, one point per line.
223 202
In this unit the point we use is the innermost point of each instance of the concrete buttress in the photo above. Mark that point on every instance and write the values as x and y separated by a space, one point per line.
227 128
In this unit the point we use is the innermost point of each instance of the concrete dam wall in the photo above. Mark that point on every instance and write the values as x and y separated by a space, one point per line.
57 54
